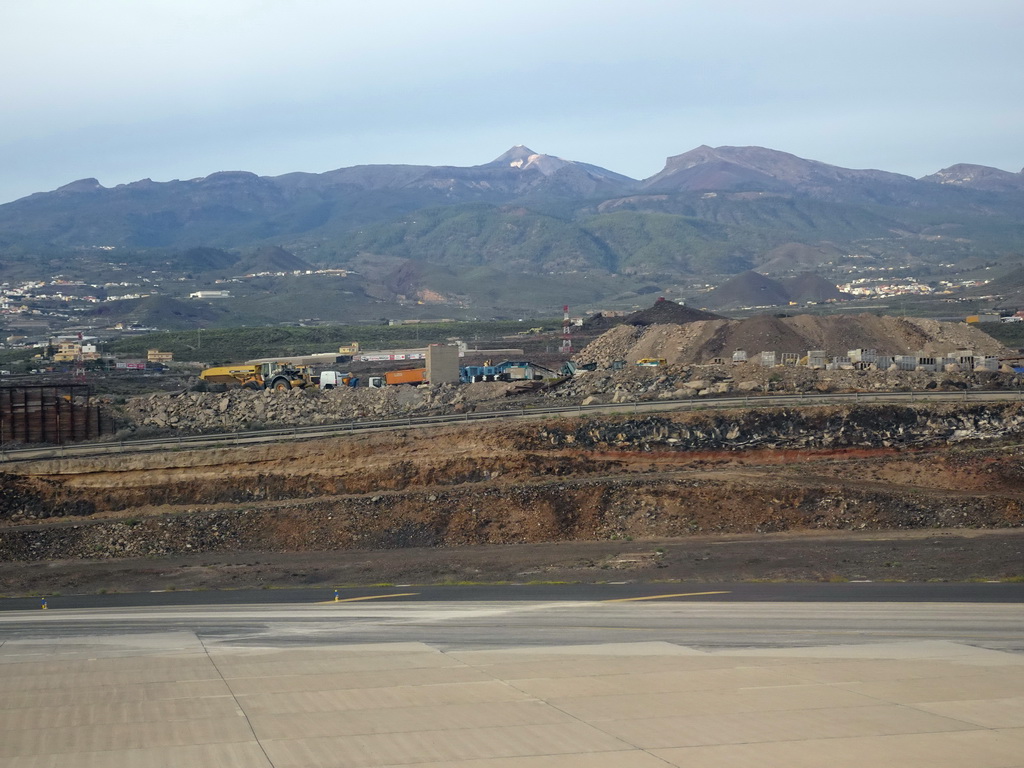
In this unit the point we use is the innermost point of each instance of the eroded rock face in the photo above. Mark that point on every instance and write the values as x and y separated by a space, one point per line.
588 478
21 500
564 511
813 428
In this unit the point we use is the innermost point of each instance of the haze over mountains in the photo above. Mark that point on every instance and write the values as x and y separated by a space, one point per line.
752 289
710 211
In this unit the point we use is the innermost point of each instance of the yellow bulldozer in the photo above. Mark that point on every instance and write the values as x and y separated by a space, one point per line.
278 376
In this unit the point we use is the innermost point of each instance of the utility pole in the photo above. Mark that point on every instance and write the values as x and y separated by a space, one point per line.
566 348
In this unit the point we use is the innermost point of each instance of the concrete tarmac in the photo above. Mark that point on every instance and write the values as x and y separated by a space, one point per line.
527 684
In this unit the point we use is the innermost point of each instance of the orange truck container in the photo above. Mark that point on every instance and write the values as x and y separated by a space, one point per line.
406 376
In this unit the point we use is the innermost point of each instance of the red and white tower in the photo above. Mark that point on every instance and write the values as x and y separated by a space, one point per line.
566 348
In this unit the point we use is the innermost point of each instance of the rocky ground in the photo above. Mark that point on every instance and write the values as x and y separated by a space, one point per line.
189 412
592 498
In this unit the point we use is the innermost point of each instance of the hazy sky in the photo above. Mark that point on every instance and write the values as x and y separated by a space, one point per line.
128 89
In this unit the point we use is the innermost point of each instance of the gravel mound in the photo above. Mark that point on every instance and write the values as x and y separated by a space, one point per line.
702 341
244 409
663 311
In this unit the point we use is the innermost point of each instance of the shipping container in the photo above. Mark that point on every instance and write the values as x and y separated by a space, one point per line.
407 376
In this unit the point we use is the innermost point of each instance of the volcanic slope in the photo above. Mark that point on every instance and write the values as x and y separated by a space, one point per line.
661 312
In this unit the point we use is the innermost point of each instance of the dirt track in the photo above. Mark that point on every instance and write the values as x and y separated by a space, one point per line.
803 556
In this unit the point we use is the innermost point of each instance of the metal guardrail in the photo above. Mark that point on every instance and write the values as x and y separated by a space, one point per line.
634 406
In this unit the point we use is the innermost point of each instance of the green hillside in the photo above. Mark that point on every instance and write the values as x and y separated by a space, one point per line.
482 235
661 242
682 234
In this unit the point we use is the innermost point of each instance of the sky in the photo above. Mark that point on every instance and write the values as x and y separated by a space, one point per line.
122 90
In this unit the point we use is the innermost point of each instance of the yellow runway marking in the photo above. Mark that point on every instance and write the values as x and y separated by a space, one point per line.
661 597
368 597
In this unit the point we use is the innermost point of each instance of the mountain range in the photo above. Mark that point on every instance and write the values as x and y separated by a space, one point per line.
709 212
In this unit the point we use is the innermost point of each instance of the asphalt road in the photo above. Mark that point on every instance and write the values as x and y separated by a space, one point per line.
797 617
847 592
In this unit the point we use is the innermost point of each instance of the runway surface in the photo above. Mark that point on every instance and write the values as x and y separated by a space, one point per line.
393 677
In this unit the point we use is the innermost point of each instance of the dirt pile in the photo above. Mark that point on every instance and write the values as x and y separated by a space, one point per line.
661 312
676 382
702 341
240 409
664 311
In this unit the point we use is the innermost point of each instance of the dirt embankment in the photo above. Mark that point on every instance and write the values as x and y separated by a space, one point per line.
585 483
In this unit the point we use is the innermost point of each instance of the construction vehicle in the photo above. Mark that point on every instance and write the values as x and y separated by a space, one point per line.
652 362
406 376
334 379
569 368
507 370
469 374
278 376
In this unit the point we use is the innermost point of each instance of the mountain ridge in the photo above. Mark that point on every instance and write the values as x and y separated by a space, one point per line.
712 210
756 159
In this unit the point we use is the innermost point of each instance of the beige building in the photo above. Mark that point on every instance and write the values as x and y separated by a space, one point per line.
156 356
68 351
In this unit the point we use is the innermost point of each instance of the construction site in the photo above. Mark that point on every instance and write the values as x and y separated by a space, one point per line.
809 490
643 361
